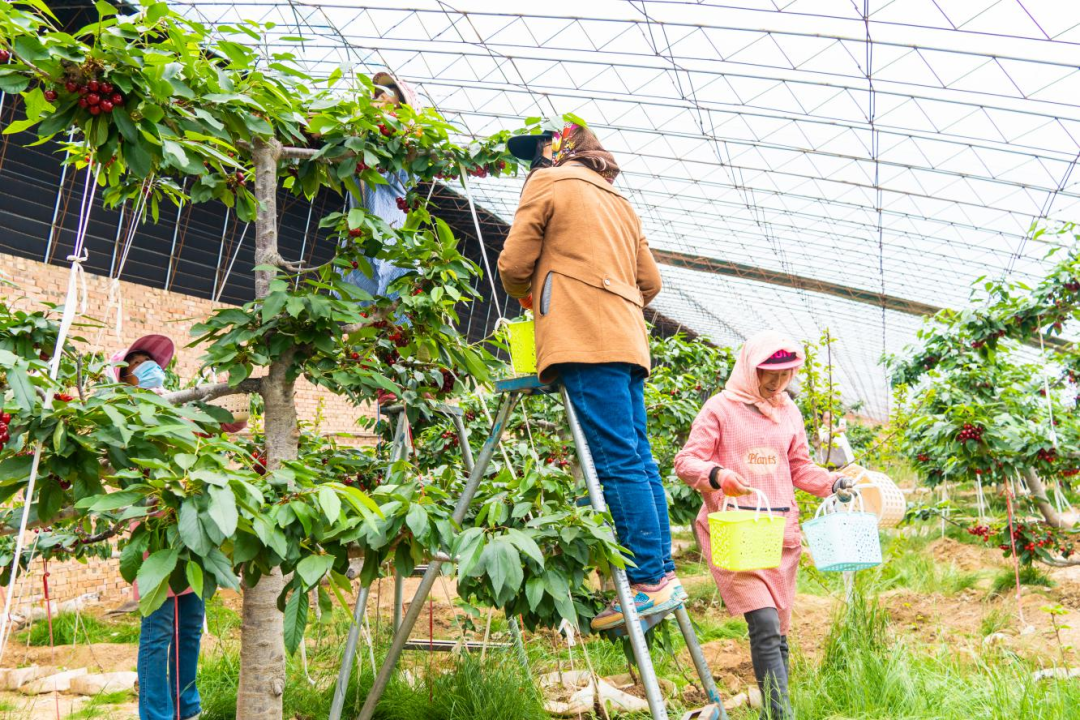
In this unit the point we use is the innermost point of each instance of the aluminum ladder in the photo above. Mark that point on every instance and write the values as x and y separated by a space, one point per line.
512 391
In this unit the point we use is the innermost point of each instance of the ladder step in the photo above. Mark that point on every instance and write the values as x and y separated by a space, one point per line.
526 385
647 623
709 712
450 645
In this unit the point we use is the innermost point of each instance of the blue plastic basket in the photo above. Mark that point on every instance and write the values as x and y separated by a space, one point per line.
843 539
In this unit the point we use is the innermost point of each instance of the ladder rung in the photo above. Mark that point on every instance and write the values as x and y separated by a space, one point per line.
450 645
647 623
527 385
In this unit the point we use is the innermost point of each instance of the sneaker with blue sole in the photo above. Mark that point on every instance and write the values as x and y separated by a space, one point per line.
648 599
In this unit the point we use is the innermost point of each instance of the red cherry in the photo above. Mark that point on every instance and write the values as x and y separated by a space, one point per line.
71 86
93 98
356 232
83 90
355 265
106 88
64 397
4 437
95 109
94 85
5 418
106 106
354 356
50 95
117 99
5 55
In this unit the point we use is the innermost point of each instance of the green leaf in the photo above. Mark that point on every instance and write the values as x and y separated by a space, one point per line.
526 544
417 520
503 565
191 530
21 388
330 503
30 49
137 158
131 557
156 569
534 592
185 460
104 9
14 82
111 501
223 509
195 577
151 601
296 611
218 565
312 568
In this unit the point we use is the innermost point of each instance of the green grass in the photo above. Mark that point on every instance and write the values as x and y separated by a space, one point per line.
89 629
99 706
995 620
1032 576
867 672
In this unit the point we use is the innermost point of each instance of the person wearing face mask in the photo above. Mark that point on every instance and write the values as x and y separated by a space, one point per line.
750 437
166 671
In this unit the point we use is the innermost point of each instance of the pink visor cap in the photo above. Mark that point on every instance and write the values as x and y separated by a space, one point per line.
781 360
158 347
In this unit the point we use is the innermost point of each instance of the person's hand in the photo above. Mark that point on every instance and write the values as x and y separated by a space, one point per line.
526 302
841 487
732 484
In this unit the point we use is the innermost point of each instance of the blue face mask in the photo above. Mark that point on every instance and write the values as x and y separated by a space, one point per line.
150 375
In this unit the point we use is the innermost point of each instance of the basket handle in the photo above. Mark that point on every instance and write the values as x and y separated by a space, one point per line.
757 512
833 502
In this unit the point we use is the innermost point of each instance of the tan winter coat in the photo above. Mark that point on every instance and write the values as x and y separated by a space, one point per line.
578 242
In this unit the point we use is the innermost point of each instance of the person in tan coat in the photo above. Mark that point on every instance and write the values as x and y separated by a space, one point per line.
577 245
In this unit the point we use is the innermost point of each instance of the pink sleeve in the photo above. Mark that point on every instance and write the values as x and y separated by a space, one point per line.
805 474
234 427
698 457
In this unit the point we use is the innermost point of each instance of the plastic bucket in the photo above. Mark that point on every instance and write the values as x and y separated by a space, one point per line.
743 540
521 336
843 540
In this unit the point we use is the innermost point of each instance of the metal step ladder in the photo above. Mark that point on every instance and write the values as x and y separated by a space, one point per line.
513 390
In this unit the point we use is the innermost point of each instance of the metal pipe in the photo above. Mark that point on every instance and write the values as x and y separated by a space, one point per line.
413 614
342 686
172 250
399 598
463 442
696 654
622 584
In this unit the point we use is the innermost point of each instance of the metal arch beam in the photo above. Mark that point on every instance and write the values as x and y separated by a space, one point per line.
801 282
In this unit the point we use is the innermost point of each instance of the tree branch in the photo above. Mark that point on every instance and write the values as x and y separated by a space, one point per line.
380 314
1038 494
206 393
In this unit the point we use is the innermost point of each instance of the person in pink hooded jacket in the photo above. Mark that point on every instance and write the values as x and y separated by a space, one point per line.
751 437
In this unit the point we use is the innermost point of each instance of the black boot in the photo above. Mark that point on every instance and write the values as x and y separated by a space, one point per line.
768 653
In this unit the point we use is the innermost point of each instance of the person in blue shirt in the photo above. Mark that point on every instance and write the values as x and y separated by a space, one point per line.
382 200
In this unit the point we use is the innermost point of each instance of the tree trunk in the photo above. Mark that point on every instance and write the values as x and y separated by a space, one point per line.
1038 493
262 636
262 652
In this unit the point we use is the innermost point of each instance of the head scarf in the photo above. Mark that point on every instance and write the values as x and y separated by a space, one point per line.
743 385
578 143
160 348
405 91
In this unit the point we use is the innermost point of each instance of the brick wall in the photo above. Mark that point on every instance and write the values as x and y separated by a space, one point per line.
145 311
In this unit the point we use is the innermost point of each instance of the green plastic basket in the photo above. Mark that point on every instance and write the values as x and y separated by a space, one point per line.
744 540
521 335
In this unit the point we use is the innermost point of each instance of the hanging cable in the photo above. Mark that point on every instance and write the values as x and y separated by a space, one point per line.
76 281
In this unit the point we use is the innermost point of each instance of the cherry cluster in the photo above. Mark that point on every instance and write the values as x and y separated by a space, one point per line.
367 484
970 432
95 96
5 419
923 457
259 462
447 381
405 206
450 437
982 531
1047 454
559 458
1071 472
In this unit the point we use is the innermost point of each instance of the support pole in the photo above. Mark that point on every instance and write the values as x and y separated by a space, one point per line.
432 573
696 654
342 686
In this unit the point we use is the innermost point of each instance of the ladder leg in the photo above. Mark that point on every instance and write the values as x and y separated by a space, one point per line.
401 635
342 685
622 586
707 682
463 443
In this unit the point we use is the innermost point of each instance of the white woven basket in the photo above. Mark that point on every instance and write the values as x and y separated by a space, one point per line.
843 537
880 495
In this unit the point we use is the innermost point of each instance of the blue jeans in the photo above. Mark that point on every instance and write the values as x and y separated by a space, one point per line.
157 659
609 399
